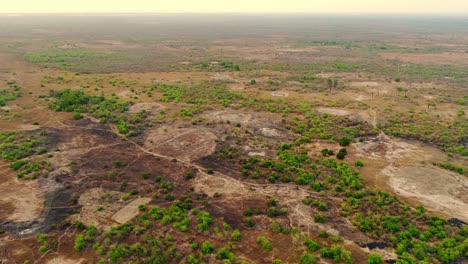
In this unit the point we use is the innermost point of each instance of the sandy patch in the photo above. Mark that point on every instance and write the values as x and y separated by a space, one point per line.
443 190
63 260
233 117
24 198
411 175
91 200
257 153
127 94
29 127
222 76
238 86
186 144
364 84
148 107
333 111
130 210
279 94
270 132
362 97
384 147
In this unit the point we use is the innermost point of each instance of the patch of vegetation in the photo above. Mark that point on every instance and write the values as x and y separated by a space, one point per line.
106 109
10 93
81 60
264 243
199 95
449 135
20 149
453 167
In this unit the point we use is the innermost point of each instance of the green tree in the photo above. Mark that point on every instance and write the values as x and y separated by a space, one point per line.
374 258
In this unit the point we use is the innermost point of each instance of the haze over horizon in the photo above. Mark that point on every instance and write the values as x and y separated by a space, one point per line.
448 7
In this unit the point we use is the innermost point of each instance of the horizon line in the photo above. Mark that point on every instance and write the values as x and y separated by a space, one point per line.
238 13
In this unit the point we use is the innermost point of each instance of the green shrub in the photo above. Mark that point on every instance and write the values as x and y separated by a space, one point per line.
265 243
312 245
77 115
344 141
341 154
224 253
359 163
207 248
308 258
236 235
80 243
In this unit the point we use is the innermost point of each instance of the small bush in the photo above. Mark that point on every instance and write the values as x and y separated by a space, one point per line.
265 243
342 154
344 141
207 248
80 243
374 258
236 235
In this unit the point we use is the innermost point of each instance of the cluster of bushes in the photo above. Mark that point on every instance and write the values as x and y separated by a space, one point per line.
456 168
10 93
264 243
337 253
200 95
70 59
175 214
448 135
18 149
225 65
106 109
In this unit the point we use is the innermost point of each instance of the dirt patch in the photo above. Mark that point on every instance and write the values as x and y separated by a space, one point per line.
257 153
333 111
91 202
6 208
219 76
280 94
63 260
362 97
233 117
270 132
181 143
130 210
443 190
127 94
152 108
29 127
238 86
23 199
384 147
364 84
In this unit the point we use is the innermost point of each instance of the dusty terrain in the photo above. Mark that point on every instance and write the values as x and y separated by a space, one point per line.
287 89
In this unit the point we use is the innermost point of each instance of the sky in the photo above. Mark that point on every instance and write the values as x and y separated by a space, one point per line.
236 6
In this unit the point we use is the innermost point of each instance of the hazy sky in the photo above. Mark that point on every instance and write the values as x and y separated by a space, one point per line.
234 6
